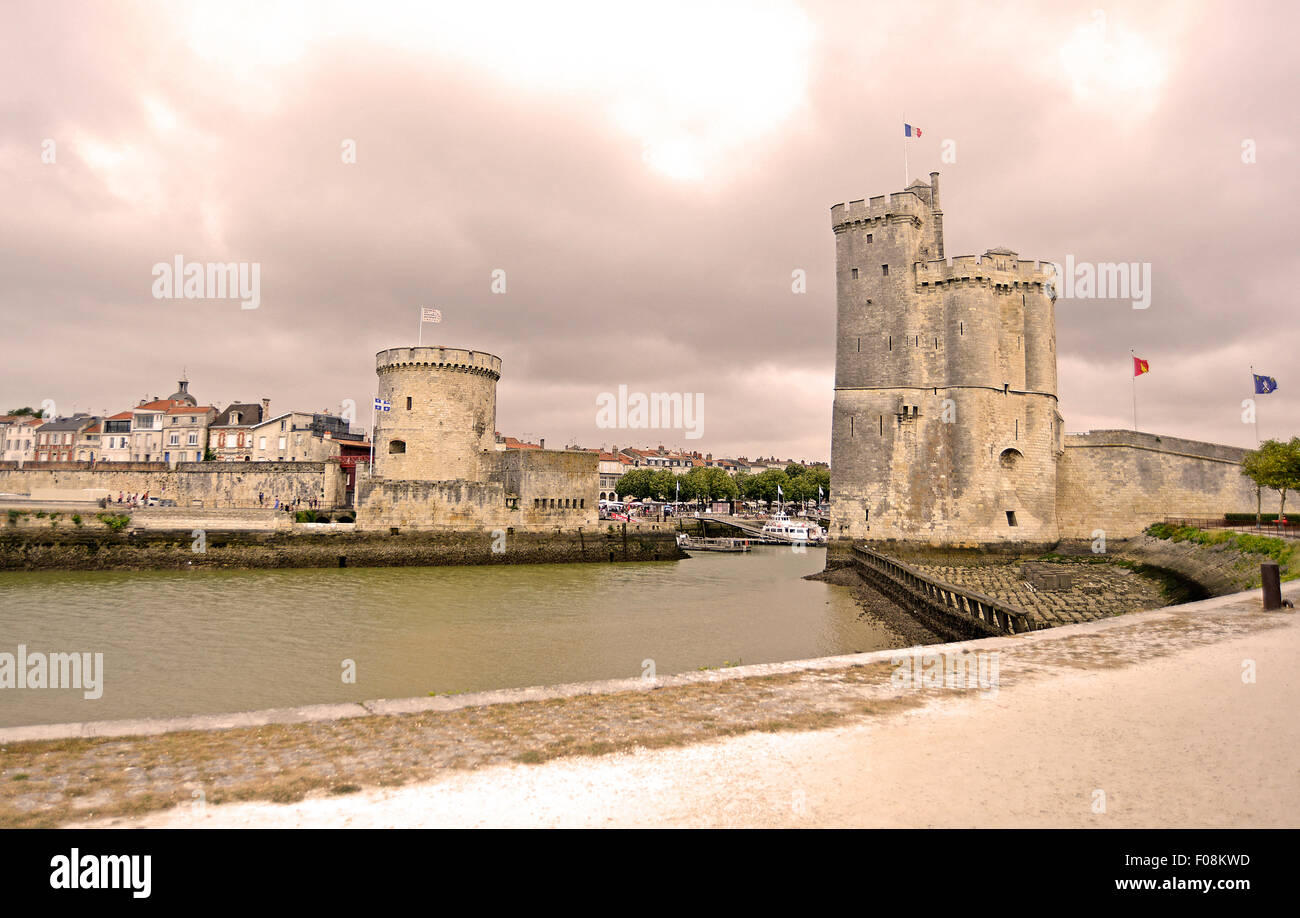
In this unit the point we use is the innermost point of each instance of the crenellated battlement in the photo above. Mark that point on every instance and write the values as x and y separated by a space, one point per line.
451 357
899 205
997 267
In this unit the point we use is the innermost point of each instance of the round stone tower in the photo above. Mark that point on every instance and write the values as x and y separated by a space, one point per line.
443 414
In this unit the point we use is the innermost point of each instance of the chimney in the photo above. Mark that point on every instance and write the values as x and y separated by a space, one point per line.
543 443
266 409
936 213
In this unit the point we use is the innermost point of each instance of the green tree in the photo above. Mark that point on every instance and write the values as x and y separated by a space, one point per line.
663 484
635 483
1274 465
709 484
24 412
763 486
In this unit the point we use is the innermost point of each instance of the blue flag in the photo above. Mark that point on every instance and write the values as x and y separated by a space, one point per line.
1264 384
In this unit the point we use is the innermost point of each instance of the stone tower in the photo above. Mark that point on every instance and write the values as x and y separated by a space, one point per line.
945 426
443 417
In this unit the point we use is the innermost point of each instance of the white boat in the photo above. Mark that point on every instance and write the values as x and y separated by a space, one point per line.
784 529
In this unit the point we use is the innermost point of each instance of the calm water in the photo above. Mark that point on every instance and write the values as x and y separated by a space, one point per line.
213 641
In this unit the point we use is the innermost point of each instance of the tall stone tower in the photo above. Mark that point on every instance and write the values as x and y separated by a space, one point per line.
443 417
945 427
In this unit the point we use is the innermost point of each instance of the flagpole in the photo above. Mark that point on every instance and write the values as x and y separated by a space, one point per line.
906 176
1253 393
420 336
372 437
1133 370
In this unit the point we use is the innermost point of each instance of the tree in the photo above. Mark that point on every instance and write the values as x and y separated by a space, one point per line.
635 483
24 412
763 486
663 484
1274 465
708 483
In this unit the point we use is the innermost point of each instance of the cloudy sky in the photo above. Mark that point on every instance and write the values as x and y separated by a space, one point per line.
648 176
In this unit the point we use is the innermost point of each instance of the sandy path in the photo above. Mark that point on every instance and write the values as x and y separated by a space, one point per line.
1177 740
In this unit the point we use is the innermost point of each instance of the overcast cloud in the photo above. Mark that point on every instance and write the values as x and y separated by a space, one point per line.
648 176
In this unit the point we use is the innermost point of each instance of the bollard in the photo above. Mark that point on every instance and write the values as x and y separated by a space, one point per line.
1270 576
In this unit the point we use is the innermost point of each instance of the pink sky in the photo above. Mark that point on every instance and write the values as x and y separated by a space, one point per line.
648 177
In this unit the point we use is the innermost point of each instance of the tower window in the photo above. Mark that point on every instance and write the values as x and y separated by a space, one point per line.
891 342
396 446
859 345
868 237
1011 518
850 426
884 269
855 273
408 403
882 425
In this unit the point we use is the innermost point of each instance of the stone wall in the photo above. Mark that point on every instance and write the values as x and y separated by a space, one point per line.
1121 481
69 549
432 505
199 484
555 488
519 482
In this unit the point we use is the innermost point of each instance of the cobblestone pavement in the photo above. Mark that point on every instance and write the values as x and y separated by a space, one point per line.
1097 590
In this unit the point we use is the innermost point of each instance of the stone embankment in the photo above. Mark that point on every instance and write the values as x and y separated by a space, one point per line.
94 548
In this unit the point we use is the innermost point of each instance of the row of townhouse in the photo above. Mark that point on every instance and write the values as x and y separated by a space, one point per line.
178 429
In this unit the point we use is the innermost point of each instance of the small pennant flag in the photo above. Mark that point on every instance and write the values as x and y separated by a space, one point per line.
1264 384
430 315
1140 366
779 492
910 130
382 405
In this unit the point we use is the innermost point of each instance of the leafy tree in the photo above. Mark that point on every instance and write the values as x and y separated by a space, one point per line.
763 485
24 412
663 484
709 484
635 483
793 470
1274 465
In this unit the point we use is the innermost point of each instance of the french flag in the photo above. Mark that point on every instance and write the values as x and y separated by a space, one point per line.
910 131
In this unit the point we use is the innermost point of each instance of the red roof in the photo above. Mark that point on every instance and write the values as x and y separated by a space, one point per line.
512 443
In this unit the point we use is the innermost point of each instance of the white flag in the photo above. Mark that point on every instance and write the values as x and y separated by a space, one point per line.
430 315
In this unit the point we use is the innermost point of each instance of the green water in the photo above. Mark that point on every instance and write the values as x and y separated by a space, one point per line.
213 641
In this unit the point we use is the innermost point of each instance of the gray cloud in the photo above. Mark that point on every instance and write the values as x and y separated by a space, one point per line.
618 273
